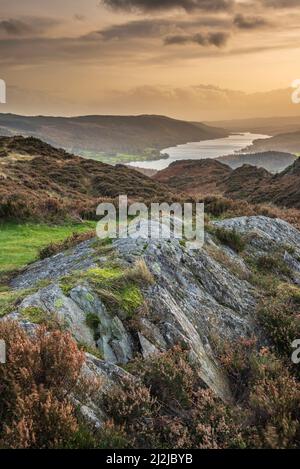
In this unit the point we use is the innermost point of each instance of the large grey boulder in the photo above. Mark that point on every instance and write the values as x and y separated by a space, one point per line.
195 300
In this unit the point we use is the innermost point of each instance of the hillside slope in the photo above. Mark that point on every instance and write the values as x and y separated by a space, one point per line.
184 299
38 181
282 189
256 185
124 134
289 142
194 176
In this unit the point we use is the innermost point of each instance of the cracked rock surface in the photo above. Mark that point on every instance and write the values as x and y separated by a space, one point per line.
194 298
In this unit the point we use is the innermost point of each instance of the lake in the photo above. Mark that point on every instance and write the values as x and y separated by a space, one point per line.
200 150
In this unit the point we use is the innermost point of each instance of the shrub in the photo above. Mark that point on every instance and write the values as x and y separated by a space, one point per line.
217 206
35 386
129 402
71 241
238 363
92 321
170 376
279 316
167 406
215 424
275 405
269 397
140 273
111 436
231 238
273 263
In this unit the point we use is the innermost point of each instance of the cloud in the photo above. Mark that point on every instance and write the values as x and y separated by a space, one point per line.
26 27
79 17
199 103
15 27
133 29
156 28
249 22
218 39
280 3
153 5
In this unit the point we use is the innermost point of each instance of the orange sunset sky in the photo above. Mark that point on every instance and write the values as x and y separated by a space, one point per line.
190 59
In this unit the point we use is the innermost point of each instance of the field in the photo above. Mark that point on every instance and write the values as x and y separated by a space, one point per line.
122 158
20 243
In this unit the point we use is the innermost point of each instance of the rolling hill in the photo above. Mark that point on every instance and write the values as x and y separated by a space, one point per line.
108 134
256 185
273 161
38 181
289 142
194 176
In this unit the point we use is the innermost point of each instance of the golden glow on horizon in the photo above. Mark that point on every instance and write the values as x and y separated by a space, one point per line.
79 57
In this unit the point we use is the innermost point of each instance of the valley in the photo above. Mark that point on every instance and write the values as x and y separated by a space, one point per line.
212 148
121 138
140 320
149 232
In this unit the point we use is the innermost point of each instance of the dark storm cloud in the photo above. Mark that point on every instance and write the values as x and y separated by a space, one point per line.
26 27
249 22
218 39
152 5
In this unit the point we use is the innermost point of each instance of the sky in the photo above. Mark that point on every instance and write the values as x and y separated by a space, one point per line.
189 59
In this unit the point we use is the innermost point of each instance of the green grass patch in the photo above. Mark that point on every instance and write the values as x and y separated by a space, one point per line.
89 349
119 288
132 299
9 299
149 154
35 315
105 274
21 243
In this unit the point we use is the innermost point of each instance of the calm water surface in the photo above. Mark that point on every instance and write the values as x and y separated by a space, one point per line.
199 150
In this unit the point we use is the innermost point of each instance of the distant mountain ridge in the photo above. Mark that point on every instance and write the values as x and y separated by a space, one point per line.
284 132
261 125
289 142
272 161
123 134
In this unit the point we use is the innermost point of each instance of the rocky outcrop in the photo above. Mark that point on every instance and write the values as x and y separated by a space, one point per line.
194 299
267 236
